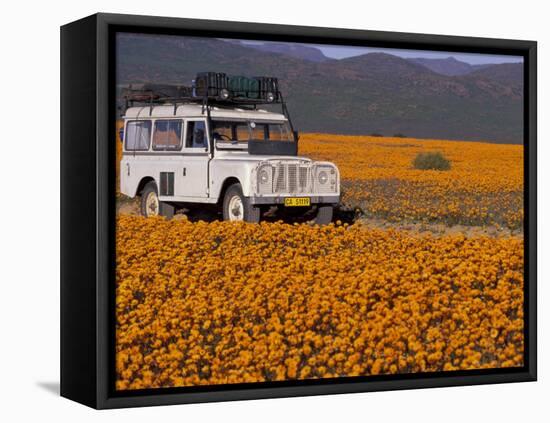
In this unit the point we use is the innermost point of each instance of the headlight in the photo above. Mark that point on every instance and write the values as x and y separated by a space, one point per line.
322 177
264 177
224 94
270 97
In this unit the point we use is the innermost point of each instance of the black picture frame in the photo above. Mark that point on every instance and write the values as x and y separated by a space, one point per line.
88 212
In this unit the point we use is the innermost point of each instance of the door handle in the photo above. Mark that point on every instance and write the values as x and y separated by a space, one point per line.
128 168
184 171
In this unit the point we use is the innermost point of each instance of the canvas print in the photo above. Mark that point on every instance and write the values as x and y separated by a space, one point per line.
290 211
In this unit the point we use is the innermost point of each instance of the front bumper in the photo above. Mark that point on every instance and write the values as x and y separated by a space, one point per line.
280 199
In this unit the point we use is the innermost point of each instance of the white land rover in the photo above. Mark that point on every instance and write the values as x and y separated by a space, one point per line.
212 144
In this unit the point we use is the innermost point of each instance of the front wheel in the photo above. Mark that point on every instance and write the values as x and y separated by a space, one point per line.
236 207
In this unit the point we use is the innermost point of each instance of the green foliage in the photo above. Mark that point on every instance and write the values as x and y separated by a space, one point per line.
431 161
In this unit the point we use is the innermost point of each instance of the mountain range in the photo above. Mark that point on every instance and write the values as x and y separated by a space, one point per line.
301 51
371 93
448 66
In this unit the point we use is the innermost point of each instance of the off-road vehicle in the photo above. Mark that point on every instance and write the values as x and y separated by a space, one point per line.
210 143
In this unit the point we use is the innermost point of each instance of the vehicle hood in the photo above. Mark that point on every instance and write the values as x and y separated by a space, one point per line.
261 158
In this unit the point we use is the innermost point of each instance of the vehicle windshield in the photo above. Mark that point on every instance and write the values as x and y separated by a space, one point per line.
244 131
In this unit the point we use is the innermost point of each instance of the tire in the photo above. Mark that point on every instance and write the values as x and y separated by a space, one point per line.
151 205
324 215
237 207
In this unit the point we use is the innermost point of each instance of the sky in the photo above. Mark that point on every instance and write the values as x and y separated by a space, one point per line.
340 52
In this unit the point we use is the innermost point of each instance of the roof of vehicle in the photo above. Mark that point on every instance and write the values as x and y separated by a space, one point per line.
195 110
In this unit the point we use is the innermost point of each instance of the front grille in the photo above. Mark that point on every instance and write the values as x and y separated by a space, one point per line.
280 179
303 178
292 178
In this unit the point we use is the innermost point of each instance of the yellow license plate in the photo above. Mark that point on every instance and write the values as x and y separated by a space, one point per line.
297 202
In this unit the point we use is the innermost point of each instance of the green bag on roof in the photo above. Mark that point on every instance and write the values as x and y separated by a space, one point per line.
241 86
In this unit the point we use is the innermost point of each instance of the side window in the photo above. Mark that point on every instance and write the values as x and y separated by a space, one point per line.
167 135
242 132
138 135
230 131
222 131
196 134
279 132
259 131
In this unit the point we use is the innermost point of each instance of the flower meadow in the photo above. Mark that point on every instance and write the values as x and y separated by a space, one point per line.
227 302
483 187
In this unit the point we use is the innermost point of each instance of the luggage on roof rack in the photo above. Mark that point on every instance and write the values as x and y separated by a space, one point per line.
210 84
155 92
241 86
209 88
237 88
269 86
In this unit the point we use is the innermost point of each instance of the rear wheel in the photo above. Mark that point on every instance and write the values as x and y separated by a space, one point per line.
236 207
151 205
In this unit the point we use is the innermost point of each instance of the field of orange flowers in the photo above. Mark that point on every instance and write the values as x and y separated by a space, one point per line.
227 302
483 187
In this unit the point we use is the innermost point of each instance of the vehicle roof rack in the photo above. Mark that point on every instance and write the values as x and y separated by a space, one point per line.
209 87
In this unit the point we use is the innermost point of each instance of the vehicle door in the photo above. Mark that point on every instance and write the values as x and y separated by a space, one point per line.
193 175
136 141
164 160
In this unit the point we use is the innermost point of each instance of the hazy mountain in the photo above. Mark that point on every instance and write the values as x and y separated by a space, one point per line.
448 66
172 59
365 94
311 54
506 73
511 73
